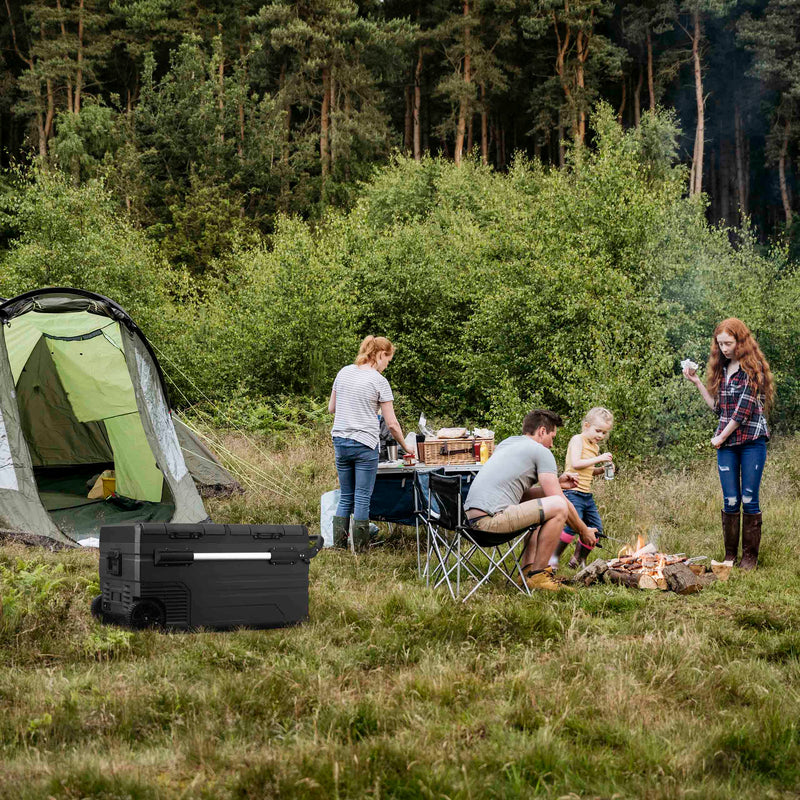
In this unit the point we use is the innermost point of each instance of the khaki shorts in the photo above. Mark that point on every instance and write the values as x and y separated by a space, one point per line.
512 518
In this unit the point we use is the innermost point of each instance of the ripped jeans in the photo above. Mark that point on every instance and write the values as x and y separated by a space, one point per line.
740 467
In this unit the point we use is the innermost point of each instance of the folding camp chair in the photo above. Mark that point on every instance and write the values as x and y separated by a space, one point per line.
454 546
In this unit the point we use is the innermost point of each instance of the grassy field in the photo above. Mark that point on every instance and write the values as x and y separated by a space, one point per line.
391 691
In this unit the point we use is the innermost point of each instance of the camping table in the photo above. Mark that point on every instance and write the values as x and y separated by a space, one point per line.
396 500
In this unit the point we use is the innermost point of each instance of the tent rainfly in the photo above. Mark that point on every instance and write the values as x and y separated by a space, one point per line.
82 391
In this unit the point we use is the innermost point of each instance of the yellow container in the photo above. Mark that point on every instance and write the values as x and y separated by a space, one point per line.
109 485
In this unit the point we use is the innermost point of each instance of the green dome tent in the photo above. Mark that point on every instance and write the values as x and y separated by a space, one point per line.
81 391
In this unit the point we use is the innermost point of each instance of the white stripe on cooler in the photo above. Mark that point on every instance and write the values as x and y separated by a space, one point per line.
233 556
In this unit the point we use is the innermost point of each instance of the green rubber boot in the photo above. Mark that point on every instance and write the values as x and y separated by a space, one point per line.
360 535
340 531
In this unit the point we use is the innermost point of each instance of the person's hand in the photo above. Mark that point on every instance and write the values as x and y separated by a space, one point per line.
605 457
589 538
568 480
718 441
691 376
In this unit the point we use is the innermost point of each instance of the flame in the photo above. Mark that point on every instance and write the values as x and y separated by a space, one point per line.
640 542
661 562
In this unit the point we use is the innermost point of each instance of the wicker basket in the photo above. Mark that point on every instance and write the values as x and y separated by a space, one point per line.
450 451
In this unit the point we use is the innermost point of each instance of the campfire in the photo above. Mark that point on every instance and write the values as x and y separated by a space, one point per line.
644 567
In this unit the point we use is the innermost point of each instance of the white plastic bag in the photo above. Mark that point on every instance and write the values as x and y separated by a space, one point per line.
327 510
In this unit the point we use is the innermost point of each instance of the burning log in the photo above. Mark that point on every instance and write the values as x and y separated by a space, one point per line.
646 568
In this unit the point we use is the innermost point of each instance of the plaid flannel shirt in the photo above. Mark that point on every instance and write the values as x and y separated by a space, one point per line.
738 401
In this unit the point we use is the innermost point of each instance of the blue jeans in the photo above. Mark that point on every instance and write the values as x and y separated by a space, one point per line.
740 467
357 466
586 508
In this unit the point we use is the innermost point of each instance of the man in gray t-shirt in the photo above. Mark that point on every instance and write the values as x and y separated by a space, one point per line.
518 487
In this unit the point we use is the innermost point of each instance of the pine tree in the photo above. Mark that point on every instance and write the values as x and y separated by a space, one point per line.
774 40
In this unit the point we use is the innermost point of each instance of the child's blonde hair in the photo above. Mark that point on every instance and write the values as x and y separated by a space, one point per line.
598 414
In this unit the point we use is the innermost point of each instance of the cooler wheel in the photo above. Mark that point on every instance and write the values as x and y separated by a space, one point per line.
146 614
97 608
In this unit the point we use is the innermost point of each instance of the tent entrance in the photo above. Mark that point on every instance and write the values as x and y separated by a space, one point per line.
79 415
63 492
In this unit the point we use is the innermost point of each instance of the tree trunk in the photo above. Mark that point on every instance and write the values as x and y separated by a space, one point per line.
582 42
240 146
785 199
699 140
408 131
324 124
79 60
70 102
484 128
741 187
287 111
725 180
42 135
461 125
650 82
637 98
624 100
51 110
418 107
332 150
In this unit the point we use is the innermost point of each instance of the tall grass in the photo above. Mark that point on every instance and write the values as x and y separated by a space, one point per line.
393 691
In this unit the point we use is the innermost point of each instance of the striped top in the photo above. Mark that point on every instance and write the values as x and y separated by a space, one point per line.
359 394
585 475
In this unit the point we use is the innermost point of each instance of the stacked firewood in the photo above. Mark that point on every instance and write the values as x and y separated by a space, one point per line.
646 568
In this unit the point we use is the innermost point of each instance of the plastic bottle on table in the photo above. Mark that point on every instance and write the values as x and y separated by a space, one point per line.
484 452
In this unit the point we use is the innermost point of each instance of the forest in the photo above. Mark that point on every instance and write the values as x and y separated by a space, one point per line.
261 185
207 119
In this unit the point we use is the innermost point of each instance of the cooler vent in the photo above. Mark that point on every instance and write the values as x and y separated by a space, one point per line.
175 598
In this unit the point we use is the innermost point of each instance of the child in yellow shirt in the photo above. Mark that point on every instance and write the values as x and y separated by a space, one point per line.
583 457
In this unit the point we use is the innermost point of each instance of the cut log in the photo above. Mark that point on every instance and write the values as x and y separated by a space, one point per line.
681 579
662 584
707 579
647 581
721 570
591 573
698 569
622 578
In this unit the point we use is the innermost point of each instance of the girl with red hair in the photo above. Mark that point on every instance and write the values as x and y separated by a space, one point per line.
740 389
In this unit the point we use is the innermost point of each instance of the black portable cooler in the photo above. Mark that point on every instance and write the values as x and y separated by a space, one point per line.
217 576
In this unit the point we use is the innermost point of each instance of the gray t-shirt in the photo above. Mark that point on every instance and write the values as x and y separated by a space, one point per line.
514 467
359 394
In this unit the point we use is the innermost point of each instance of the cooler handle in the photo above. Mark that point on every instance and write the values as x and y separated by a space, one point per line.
319 543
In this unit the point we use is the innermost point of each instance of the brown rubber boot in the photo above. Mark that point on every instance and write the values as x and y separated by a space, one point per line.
360 535
751 541
340 531
730 535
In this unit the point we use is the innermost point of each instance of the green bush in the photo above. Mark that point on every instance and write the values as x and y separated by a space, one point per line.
565 288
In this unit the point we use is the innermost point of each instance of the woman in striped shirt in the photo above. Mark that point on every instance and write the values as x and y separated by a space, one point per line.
359 393
740 389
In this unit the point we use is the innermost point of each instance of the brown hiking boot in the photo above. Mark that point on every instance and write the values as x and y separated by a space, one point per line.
543 580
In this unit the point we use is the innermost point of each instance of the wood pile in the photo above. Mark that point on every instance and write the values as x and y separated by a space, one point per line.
648 569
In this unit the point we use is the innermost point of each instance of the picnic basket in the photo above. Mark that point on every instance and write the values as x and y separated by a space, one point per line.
450 451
